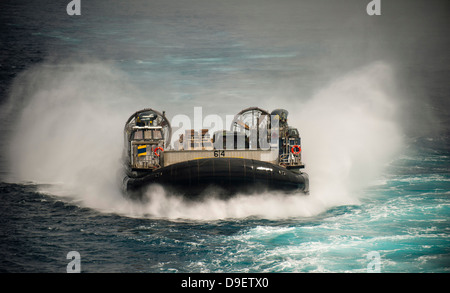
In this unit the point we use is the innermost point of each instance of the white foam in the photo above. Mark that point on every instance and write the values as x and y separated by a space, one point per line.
70 131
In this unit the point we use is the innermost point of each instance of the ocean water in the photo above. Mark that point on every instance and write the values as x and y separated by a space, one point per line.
369 95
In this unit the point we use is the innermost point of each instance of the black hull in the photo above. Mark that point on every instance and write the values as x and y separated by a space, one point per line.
228 176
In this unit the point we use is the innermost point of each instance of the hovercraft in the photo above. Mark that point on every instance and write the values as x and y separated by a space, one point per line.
260 152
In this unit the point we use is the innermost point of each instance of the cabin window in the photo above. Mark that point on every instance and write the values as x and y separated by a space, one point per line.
148 134
138 135
230 140
157 134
